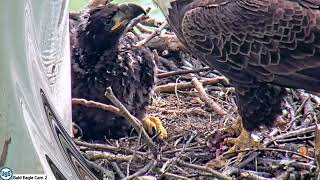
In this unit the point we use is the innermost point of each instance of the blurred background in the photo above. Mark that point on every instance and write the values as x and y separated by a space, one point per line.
76 5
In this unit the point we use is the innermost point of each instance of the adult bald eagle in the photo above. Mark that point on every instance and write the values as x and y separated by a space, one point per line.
260 45
101 57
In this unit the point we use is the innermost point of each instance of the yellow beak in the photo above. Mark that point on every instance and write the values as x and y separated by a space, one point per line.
119 24
125 14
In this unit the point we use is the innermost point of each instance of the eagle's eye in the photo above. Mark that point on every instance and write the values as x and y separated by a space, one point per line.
107 22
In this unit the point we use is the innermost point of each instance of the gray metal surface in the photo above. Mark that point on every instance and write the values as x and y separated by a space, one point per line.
35 102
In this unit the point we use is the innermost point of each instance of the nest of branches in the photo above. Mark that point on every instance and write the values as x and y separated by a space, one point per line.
195 102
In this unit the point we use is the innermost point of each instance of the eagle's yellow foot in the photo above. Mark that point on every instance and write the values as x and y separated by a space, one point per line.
154 126
243 141
235 129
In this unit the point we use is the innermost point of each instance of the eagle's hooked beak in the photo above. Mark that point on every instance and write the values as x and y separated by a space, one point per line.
126 13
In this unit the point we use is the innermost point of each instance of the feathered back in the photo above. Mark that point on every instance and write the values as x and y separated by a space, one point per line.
274 41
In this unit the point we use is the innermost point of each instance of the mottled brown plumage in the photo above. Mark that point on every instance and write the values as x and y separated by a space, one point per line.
260 45
101 57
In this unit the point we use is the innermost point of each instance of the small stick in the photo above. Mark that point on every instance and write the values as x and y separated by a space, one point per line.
194 110
98 168
202 168
151 22
252 176
153 34
172 176
134 153
308 110
299 139
136 124
291 134
291 114
170 87
195 148
317 144
251 157
94 104
270 149
151 164
305 100
117 169
181 72
136 21
316 99
4 152
156 58
95 146
105 147
142 29
168 64
94 155
204 97
293 163
172 161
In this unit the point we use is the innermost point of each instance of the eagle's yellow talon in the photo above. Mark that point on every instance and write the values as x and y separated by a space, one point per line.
243 141
153 126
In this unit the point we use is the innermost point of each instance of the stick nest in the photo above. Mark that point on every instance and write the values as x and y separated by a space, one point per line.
195 103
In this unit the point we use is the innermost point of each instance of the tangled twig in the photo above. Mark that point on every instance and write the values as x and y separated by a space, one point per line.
171 87
153 34
94 104
204 97
181 72
136 123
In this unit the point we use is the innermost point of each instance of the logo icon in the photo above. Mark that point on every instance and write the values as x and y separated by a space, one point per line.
6 173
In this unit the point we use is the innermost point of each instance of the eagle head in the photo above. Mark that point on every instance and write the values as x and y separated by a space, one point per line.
125 14
113 18
104 25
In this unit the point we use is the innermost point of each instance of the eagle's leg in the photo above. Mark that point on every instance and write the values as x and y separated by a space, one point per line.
258 106
153 126
235 129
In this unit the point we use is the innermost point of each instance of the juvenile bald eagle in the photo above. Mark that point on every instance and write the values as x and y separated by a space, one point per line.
262 46
101 57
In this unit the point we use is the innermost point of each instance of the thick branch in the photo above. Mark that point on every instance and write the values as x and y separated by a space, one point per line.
204 97
94 104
